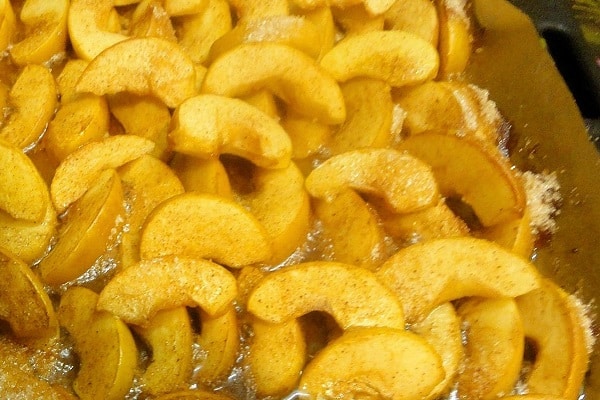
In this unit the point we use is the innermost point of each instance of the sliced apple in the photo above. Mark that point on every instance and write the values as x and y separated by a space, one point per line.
265 101
147 182
90 27
309 137
322 17
276 356
33 99
45 24
374 362
68 77
351 295
193 395
170 338
280 203
397 57
478 174
144 66
77 172
369 110
150 19
8 23
494 347
374 7
258 9
106 349
197 32
167 282
76 123
23 302
430 273
355 19
553 324
209 125
287 72
87 230
352 229
455 43
417 16
202 175
205 226
178 8
403 182
515 234
219 343
442 330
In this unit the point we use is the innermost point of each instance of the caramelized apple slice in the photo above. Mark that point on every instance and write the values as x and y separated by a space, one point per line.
205 226
351 295
106 349
430 273
374 362
455 42
168 282
417 16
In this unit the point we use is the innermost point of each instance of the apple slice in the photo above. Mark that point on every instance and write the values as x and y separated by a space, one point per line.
77 172
308 136
170 338
258 9
33 101
91 27
396 57
477 173
351 295
202 175
374 362
46 24
430 273
178 8
205 226
374 7
23 302
417 16
106 349
402 181
8 23
87 230
68 77
144 66
553 324
208 125
150 19
494 347
193 394
355 19
289 73
455 42
276 356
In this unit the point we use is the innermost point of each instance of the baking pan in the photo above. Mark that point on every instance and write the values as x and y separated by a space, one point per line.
549 133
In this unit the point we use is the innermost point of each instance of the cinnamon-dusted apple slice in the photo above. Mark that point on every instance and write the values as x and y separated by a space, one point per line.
374 362
87 230
167 282
106 349
46 24
417 16
475 172
209 125
150 19
494 347
289 73
144 66
396 57
202 175
355 19
92 27
178 8
23 302
403 182
205 226
77 172
33 100
351 295
430 273
553 324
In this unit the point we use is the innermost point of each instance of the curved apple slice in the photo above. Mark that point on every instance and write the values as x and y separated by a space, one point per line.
193 395
287 72
86 232
417 16
170 337
258 9
553 323
81 168
276 356
396 57
374 363
374 7
105 346
455 42
144 66
442 330
178 8
8 23
23 302
167 282
90 27
202 175
494 347
205 226
351 295
68 77
477 173
209 125
402 181
430 273
33 101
